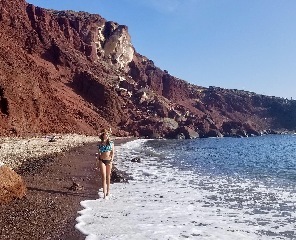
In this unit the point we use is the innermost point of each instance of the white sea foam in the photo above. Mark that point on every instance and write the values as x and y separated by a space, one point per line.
163 202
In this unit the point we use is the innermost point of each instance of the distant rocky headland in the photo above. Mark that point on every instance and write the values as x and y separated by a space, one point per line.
74 72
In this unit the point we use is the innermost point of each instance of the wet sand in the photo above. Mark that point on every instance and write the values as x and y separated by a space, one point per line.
50 207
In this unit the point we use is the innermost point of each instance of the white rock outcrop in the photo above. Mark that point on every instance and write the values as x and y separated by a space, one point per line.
118 48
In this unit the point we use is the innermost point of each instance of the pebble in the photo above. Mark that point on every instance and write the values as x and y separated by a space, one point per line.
16 151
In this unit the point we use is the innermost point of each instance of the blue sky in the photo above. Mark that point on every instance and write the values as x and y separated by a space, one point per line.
237 44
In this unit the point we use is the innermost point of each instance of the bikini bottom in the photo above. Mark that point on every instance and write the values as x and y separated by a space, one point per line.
106 162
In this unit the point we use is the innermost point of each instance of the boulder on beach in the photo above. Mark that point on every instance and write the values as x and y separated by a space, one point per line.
76 186
11 185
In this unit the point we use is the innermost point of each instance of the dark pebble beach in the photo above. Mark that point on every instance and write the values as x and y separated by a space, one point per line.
55 189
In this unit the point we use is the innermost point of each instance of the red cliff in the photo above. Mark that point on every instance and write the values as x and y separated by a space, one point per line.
76 72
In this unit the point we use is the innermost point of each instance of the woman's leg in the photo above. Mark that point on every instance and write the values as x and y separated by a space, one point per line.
103 176
108 176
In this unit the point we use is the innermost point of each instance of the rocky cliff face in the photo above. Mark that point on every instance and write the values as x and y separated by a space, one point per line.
76 72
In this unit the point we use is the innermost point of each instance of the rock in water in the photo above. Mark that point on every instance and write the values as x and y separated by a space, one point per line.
136 159
11 185
119 176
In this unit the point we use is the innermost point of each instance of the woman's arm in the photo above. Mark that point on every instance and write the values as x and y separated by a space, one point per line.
98 151
112 152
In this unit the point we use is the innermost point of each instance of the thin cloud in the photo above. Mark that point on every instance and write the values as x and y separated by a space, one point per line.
169 6
163 6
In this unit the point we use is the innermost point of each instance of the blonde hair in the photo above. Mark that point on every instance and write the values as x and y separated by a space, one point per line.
108 133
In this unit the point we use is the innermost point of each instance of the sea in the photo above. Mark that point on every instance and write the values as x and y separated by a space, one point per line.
211 188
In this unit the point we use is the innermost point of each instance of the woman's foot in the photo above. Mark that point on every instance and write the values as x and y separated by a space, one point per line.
106 196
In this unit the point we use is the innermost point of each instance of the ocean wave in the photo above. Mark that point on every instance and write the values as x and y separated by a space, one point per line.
166 201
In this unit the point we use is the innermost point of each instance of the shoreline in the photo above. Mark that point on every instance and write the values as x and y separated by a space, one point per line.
50 208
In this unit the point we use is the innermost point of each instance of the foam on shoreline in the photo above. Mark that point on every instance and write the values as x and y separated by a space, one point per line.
163 202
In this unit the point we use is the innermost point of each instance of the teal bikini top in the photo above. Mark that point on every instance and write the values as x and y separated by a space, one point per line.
105 148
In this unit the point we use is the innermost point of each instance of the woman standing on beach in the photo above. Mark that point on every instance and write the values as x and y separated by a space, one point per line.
105 159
